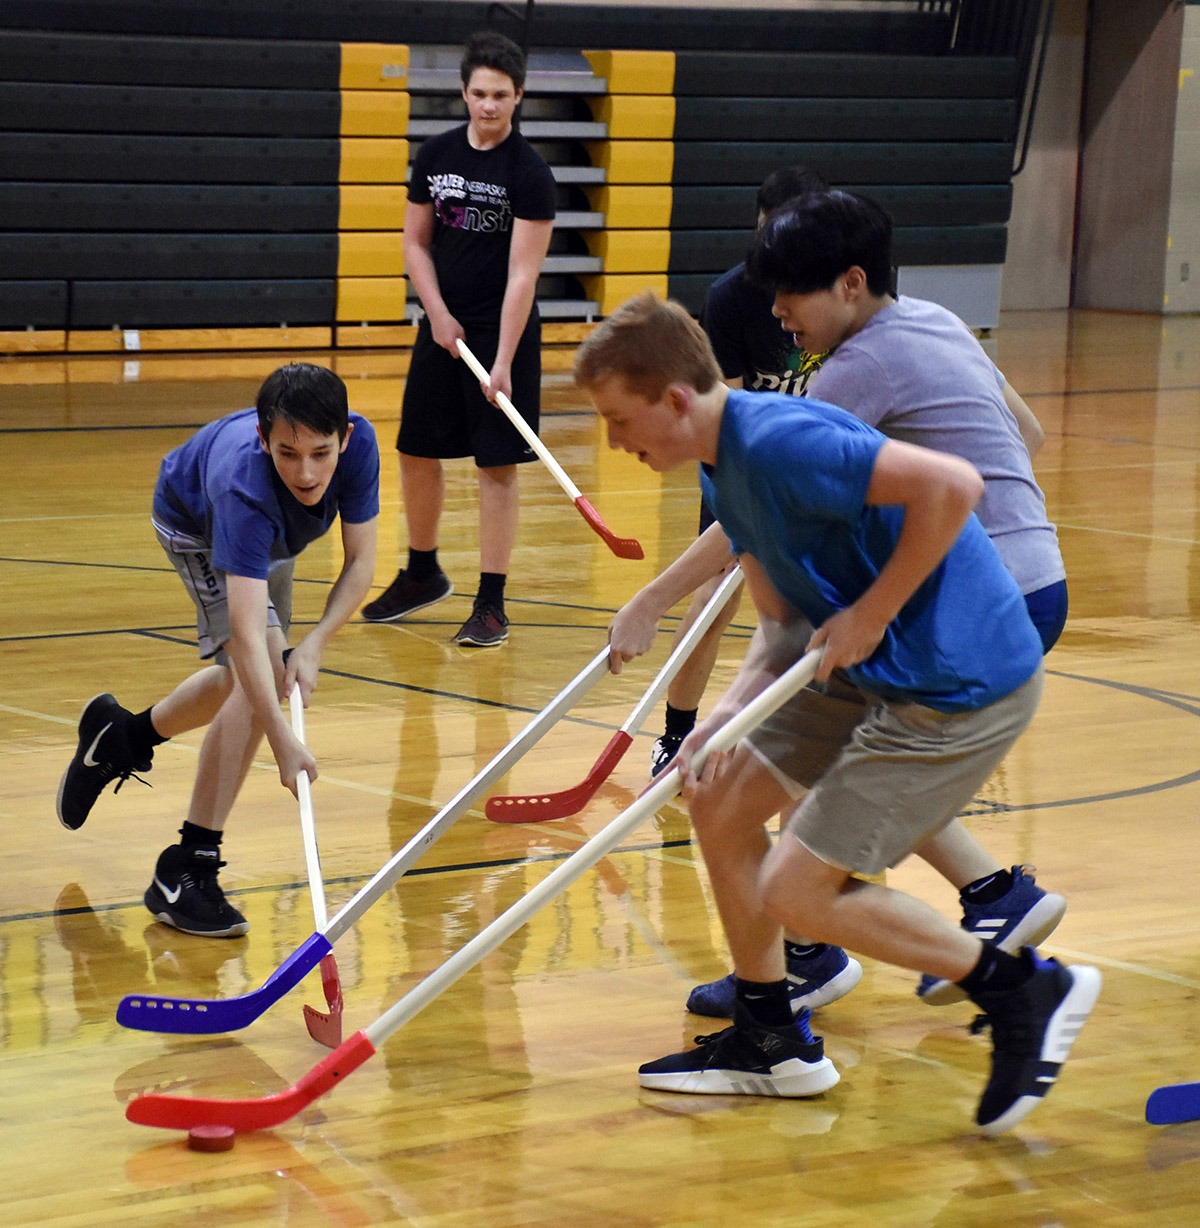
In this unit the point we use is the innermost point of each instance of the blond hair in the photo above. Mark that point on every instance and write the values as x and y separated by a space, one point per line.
650 344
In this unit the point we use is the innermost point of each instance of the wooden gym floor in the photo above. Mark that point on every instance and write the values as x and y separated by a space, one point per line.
512 1100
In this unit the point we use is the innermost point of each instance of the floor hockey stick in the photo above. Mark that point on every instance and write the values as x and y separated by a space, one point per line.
537 808
622 547
196 1016
263 1112
325 1029
1174 1103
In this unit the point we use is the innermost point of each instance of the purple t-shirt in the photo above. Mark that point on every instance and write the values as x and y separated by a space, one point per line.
917 373
221 487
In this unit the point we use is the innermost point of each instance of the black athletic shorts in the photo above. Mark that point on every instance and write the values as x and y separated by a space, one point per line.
446 415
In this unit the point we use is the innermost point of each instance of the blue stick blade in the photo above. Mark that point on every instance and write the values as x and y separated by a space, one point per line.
206 1016
1168 1105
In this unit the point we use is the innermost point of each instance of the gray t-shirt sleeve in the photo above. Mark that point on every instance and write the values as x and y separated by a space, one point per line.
856 381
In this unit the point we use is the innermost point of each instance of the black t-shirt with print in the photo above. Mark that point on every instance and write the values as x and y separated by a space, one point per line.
747 339
475 194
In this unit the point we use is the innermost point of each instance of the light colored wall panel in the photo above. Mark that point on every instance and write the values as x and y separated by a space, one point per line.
1041 230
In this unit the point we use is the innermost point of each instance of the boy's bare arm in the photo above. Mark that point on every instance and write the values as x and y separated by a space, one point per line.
348 592
526 254
1027 423
938 493
635 624
419 267
255 667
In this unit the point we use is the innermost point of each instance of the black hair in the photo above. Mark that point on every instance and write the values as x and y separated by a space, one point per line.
306 395
781 185
491 49
808 243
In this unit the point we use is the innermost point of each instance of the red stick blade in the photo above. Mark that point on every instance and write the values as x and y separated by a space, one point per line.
257 1113
541 808
622 547
327 1029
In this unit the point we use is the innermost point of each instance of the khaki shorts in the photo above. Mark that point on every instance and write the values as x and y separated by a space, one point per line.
883 776
192 559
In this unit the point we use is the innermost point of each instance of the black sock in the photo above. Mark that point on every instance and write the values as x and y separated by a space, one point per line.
989 888
491 588
802 950
996 971
422 564
142 735
193 836
680 722
767 1003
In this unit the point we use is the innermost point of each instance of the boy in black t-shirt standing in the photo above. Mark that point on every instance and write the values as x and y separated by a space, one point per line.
480 215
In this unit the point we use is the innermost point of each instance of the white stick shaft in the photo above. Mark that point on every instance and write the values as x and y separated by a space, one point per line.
527 433
461 801
559 879
308 824
674 663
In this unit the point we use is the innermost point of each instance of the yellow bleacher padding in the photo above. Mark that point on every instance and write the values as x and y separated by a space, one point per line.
371 253
109 340
611 291
370 299
643 117
632 206
634 161
364 206
631 251
635 72
374 66
375 112
367 159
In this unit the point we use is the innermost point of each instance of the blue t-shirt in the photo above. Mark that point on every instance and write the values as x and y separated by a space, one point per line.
222 488
789 488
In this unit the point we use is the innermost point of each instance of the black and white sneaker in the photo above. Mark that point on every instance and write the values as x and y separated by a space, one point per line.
185 894
748 1059
662 752
103 755
1033 1029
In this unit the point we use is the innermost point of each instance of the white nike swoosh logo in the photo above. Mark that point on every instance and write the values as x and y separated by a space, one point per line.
172 896
88 760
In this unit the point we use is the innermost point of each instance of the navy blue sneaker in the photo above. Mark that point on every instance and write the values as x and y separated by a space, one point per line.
813 981
1033 1029
665 748
748 1059
1024 917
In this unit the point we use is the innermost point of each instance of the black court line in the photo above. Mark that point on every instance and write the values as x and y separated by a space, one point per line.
351 880
1188 704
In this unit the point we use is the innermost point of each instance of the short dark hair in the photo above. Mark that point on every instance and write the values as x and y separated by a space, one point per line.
781 185
648 343
306 395
808 243
491 49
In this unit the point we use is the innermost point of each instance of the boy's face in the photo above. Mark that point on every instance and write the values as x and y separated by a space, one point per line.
649 430
491 100
820 320
304 460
